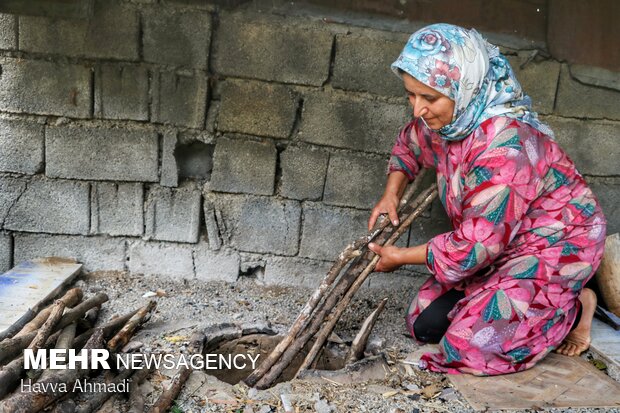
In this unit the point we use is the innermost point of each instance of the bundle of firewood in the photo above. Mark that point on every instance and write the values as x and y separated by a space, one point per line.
319 316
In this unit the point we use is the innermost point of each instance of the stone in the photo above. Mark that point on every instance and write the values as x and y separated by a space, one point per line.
169 168
21 146
345 122
6 252
53 206
256 108
607 191
116 209
583 101
355 180
8 32
161 258
10 191
96 253
122 92
180 98
45 88
539 81
101 153
362 63
272 49
212 265
176 38
596 76
213 230
244 166
293 271
173 214
303 172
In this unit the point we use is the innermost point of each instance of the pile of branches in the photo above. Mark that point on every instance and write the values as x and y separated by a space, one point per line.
319 316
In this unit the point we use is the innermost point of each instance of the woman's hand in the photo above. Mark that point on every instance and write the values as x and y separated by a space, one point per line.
386 205
391 257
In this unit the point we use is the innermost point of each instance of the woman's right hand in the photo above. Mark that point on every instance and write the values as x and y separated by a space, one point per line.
386 205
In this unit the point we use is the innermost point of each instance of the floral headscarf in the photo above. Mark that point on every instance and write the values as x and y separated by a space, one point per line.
463 66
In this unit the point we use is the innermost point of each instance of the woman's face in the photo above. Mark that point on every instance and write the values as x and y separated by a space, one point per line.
435 108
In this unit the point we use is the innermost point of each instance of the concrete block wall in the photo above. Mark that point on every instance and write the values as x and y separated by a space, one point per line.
188 141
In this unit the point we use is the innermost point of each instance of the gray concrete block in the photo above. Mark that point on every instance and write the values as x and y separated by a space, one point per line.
8 32
212 265
293 271
96 253
169 168
596 76
173 214
77 152
362 63
176 38
10 191
6 252
111 33
53 206
45 88
582 101
116 208
259 224
395 281
539 81
244 166
344 122
121 92
607 191
161 258
354 180
590 144
180 98
21 146
256 108
272 49
303 172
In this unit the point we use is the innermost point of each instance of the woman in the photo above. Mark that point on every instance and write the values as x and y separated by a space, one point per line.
507 282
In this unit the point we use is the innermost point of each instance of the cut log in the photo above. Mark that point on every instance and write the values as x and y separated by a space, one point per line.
95 400
608 275
70 300
122 337
46 329
356 351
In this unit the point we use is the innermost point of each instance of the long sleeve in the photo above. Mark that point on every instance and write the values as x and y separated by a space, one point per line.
405 152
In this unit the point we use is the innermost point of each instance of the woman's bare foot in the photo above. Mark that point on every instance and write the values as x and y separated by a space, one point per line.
578 340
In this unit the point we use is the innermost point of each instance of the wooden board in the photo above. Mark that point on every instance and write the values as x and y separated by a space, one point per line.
558 381
606 342
31 284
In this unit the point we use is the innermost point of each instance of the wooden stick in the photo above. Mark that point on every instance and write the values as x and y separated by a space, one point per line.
70 299
57 309
122 337
356 351
95 400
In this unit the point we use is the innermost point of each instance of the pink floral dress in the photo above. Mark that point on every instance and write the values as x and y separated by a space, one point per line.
528 234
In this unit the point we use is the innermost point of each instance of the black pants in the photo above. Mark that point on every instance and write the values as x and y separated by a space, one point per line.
432 323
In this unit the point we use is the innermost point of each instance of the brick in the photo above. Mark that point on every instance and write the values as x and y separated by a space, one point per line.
363 64
590 144
173 214
116 208
244 167
180 98
303 172
76 152
96 253
344 122
220 265
272 50
255 108
45 88
161 258
259 224
53 206
539 81
293 271
8 32
176 38
21 146
169 168
10 191
582 101
121 92
607 191
111 33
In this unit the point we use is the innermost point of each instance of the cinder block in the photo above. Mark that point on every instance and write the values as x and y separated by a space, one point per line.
343 122
45 88
8 32
293 271
212 265
111 33
173 214
590 144
363 63
607 191
53 206
180 98
21 146
243 166
582 101
176 38
161 258
395 281
255 108
169 168
96 253
6 252
78 152
213 228
272 49
10 190
122 92
116 208
259 224
303 172
539 81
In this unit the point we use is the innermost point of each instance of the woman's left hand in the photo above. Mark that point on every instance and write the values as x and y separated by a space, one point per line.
391 257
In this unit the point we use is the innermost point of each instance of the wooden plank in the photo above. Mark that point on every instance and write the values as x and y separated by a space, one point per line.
605 342
33 284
